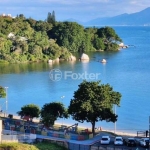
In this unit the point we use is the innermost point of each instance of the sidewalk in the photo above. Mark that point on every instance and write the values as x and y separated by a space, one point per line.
83 142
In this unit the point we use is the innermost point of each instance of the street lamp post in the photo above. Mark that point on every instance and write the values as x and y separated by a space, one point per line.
62 97
115 121
6 101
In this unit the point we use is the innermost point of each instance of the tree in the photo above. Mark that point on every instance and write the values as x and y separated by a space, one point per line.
36 51
51 111
98 44
68 34
43 26
51 17
110 38
2 92
54 51
5 45
21 16
31 110
94 102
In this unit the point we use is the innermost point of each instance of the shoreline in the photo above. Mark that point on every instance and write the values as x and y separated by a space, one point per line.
119 133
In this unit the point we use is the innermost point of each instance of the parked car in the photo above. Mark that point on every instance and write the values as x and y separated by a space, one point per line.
130 142
105 140
144 142
118 140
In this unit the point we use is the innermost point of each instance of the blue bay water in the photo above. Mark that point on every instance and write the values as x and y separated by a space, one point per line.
127 71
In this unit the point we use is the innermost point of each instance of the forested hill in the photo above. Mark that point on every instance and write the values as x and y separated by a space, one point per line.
25 39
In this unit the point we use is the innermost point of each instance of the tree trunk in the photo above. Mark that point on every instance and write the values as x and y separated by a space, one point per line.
93 128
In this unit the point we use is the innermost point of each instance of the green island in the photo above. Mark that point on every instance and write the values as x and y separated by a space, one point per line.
27 40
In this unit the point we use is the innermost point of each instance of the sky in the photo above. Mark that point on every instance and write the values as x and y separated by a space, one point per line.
81 10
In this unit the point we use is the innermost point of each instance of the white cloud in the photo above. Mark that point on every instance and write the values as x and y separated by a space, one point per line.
75 1
133 2
64 2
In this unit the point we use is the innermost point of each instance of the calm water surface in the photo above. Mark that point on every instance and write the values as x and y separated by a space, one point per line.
128 71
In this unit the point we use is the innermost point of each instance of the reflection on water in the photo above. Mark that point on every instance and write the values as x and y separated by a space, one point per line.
85 60
38 66
22 68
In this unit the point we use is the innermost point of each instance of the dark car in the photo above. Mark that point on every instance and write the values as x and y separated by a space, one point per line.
130 142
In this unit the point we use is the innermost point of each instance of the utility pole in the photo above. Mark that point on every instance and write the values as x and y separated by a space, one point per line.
115 121
6 101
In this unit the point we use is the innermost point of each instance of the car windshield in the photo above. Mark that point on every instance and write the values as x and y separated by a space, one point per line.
104 139
146 140
131 140
118 140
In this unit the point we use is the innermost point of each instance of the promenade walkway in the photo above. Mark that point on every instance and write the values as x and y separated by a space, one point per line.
77 145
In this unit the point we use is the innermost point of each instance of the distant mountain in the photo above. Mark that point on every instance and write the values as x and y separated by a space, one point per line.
139 18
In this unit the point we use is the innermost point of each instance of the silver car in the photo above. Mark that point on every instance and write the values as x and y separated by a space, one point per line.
118 140
105 140
144 142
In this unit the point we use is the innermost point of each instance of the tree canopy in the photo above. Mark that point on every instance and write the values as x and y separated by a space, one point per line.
2 92
30 110
109 37
94 102
50 112
68 34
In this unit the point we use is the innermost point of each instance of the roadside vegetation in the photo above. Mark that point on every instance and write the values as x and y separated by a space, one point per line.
38 146
28 40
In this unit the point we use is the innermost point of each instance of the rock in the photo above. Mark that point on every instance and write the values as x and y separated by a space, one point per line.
103 61
85 60
56 60
50 61
125 46
121 44
84 57
72 58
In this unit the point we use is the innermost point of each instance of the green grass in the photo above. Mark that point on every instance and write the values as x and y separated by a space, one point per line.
38 146
49 146
4 62
17 146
